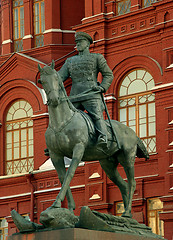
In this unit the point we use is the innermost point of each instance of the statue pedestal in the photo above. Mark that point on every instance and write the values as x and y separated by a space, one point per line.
76 234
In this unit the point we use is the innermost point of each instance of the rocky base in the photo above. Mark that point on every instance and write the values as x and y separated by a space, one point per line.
62 218
105 222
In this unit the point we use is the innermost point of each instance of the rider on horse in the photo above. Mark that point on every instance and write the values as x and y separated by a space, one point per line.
85 92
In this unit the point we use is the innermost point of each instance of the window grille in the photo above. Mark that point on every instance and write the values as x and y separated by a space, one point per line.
154 207
119 208
39 22
3 229
147 3
18 24
19 138
123 6
137 106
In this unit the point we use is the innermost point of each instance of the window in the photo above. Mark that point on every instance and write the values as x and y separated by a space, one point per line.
123 6
137 106
147 3
19 138
3 229
119 208
39 22
18 24
154 207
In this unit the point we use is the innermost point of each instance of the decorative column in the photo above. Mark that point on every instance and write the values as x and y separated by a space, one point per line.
6 27
53 32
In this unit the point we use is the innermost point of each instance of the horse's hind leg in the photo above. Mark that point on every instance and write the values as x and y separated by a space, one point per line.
110 168
127 161
58 162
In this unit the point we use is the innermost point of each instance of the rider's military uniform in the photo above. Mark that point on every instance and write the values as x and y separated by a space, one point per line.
83 70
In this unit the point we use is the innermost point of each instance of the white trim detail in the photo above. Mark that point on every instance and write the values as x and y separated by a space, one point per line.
56 189
103 39
95 196
162 86
166 212
171 165
7 41
110 98
42 92
27 36
137 5
39 191
94 175
170 66
105 14
14 196
13 175
171 143
58 30
42 114
155 175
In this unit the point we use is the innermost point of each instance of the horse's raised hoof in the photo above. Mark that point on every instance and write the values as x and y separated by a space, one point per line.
127 215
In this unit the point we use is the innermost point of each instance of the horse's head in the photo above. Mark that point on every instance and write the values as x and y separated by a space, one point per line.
50 81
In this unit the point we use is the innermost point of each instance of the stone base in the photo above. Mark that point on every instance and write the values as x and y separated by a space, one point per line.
76 234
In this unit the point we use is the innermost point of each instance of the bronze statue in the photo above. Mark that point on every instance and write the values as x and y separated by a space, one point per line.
72 133
69 134
85 92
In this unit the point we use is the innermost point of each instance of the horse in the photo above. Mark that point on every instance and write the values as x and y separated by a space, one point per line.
68 135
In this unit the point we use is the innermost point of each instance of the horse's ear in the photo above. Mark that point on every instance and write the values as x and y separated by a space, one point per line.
53 64
39 68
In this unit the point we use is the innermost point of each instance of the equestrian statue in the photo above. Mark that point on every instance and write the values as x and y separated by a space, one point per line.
87 136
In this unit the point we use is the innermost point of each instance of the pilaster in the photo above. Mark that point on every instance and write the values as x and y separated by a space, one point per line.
6 27
135 5
40 126
28 22
53 33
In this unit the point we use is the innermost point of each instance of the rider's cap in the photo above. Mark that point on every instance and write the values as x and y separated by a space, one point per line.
83 35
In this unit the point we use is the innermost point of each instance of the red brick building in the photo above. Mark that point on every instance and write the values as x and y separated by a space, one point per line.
136 38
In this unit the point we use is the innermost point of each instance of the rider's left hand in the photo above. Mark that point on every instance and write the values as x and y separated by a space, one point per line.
98 88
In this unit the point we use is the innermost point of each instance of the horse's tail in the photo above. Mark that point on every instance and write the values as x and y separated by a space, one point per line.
141 149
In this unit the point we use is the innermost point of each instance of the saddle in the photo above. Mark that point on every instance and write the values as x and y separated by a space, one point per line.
93 133
89 122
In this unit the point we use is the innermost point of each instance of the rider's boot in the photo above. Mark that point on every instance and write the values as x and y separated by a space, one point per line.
102 138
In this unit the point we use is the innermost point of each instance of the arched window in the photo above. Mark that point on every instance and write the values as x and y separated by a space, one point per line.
137 106
19 138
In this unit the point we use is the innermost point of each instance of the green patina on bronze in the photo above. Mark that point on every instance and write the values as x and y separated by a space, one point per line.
86 137
68 135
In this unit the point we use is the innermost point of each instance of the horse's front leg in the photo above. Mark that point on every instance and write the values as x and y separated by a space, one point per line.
78 152
58 162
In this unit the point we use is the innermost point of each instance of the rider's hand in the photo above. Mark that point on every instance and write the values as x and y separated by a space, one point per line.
98 88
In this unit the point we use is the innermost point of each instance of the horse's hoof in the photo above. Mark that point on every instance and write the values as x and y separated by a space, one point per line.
127 215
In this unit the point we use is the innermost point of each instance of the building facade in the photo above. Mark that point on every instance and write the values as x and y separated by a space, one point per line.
136 38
